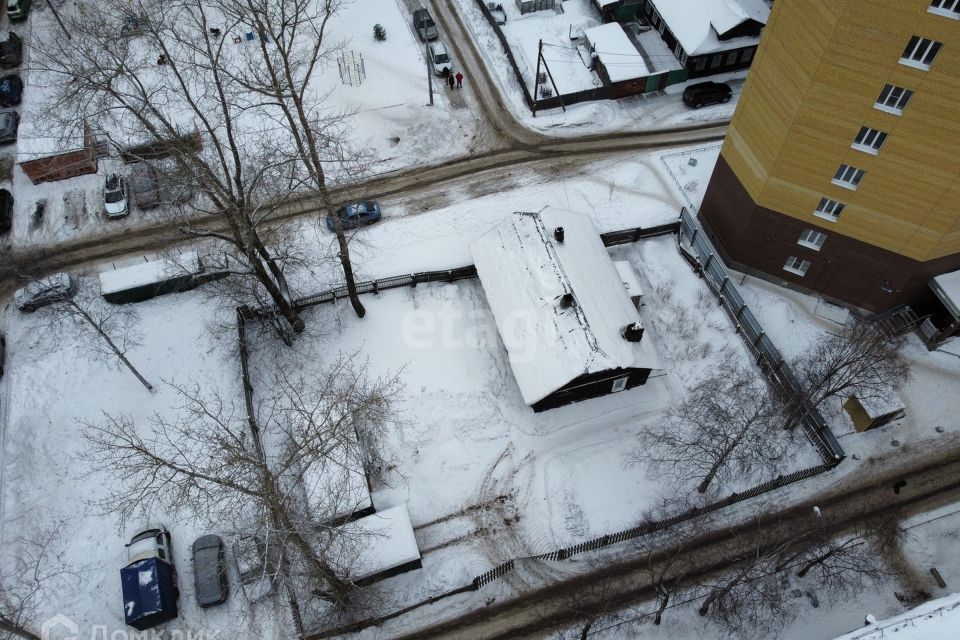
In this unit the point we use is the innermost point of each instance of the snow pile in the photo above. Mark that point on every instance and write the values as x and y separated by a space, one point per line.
526 272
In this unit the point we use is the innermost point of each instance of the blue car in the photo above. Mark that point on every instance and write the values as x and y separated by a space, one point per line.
356 214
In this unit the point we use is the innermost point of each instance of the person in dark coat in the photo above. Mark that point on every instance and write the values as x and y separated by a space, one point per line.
450 80
459 80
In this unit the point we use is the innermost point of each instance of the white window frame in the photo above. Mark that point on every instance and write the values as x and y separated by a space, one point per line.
716 60
732 57
747 55
869 140
893 99
829 209
700 64
945 8
848 176
812 239
619 385
797 266
920 52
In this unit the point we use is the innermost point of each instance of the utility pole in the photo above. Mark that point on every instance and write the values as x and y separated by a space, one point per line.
536 78
426 56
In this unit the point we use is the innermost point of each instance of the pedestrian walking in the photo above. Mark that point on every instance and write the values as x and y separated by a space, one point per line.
450 80
459 80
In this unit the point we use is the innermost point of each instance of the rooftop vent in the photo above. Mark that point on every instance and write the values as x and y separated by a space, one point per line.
558 234
566 301
632 332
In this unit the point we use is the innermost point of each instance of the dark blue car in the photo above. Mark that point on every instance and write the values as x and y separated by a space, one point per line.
356 214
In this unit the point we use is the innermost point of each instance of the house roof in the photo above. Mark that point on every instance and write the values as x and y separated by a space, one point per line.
946 286
697 24
619 56
525 273
387 542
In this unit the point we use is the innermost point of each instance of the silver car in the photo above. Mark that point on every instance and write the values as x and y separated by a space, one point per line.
145 185
424 25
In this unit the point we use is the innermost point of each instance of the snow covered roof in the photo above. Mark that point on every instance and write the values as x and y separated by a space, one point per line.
697 24
629 277
881 404
526 272
619 56
935 620
146 273
337 487
947 288
388 542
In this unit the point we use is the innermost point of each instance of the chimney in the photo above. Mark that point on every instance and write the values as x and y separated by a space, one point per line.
632 332
566 301
558 234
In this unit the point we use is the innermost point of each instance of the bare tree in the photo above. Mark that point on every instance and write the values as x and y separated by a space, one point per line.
33 568
113 329
726 426
861 361
290 473
178 87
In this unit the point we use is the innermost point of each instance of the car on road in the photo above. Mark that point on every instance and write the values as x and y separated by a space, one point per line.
6 211
152 541
145 185
496 10
9 124
209 571
115 200
703 93
439 58
11 51
18 10
424 25
11 90
47 290
356 214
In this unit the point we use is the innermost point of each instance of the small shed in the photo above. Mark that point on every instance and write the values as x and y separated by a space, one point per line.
618 62
874 411
561 309
389 546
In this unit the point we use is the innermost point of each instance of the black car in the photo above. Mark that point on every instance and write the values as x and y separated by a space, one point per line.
6 211
11 90
9 123
11 51
697 95
209 571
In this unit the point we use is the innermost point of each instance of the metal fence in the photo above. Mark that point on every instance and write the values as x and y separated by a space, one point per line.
749 328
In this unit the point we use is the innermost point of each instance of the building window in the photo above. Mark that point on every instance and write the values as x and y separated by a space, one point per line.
829 209
796 265
920 52
893 99
812 239
683 60
748 53
699 64
732 57
869 140
715 61
948 8
619 385
848 177
663 26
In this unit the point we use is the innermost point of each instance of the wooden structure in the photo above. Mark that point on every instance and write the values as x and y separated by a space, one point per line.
68 164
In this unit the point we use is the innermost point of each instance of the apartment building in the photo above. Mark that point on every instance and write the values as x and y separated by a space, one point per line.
840 173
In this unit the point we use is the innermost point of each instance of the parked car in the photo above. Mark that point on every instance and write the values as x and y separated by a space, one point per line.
255 566
115 196
44 291
6 211
145 185
356 214
697 95
17 10
9 124
209 571
11 51
152 541
424 25
149 581
439 58
11 90
3 352
496 10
